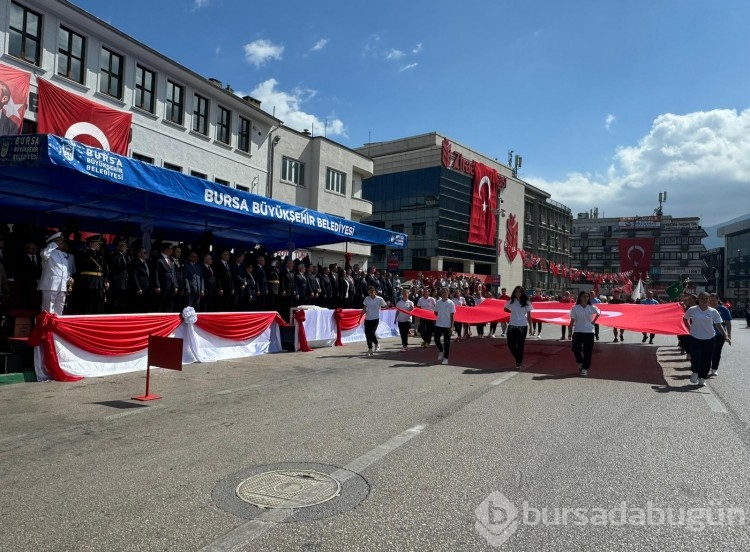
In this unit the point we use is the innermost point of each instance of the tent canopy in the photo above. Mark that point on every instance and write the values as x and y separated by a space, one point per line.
53 182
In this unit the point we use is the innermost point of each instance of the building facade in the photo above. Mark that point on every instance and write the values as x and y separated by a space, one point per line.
181 120
737 268
424 185
660 250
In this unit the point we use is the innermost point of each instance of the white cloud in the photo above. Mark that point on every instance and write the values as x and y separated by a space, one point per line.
394 54
407 67
417 48
198 4
288 106
319 45
701 159
260 51
609 120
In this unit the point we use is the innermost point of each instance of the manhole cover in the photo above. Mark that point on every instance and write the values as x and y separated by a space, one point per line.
288 489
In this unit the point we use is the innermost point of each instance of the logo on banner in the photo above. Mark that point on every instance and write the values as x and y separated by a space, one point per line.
75 117
511 237
14 89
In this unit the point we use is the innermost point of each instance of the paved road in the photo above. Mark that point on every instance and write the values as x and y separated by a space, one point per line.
428 457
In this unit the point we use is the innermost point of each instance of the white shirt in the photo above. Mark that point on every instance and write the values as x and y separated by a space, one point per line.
57 267
702 322
583 318
444 309
426 303
406 305
518 313
372 307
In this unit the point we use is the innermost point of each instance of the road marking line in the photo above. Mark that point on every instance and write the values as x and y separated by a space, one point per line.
715 404
504 378
239 537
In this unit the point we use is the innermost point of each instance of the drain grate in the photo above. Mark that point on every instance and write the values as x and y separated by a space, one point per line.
288 489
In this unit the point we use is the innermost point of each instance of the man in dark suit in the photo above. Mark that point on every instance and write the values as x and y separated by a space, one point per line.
288 275
164 279
274 286
261 280
177 263
192 277
210 301
301 287
118 264
28 273
333 277
90 281
239 277
140 282
224 283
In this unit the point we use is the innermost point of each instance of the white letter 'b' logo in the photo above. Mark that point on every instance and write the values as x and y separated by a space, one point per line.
496 519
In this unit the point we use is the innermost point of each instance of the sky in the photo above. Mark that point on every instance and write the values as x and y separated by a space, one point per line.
609 103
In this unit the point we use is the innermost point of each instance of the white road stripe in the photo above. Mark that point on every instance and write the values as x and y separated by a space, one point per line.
241 536
505 377
715 404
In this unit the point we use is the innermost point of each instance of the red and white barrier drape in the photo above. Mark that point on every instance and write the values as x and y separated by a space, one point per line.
71 347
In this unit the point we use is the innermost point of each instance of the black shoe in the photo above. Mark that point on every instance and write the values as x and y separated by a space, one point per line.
644 339
650 341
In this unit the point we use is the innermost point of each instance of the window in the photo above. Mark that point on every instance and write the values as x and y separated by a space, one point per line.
292 171
200 115
145 86
419 253
199 175
172 167
175 103
243 136
25 31
110 73
144 158
222 181
397 254
224 126
397 227
71 54
243 188
335 181
419 228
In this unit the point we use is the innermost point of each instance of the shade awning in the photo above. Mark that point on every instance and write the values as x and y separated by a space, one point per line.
53 182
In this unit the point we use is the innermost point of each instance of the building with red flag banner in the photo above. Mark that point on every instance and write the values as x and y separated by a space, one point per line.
659 250
465 212
68 73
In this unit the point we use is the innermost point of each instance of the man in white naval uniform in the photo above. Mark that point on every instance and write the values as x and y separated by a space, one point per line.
57 269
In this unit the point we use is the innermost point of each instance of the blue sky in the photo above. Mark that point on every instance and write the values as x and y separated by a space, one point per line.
608 102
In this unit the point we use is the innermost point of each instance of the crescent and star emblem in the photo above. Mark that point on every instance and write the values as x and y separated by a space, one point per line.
485 180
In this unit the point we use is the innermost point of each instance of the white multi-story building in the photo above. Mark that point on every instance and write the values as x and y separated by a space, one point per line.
181 120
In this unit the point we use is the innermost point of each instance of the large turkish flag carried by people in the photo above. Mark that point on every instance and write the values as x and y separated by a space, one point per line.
14 89
483 224
635 255
72 116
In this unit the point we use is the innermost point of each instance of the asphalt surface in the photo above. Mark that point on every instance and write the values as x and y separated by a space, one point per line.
429 457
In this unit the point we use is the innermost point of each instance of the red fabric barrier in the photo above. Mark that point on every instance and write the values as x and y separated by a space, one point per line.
111 335
42 335
346 320
238 326
299 316
663 319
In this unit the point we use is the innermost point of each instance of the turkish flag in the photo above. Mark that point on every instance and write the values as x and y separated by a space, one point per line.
635 254
72 116
483 224
14 89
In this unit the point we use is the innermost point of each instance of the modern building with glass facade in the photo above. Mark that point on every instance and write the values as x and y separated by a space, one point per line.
737 256
418 189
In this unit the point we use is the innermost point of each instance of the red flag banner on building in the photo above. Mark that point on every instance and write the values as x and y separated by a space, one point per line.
14 90
72 116
483 224
635 255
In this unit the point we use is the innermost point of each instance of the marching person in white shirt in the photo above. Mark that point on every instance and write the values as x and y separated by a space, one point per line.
519 306
58 267
445 310
583 316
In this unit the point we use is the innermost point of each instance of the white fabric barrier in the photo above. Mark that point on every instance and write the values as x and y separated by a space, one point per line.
320 328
